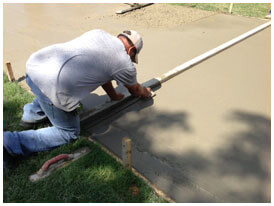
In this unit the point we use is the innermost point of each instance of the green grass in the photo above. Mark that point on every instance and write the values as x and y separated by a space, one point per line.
14 99
96 177
259 10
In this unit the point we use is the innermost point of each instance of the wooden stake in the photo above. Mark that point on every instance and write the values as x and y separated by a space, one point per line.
230 8
10 72
127 152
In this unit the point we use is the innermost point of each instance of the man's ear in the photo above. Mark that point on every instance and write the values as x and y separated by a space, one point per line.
132 50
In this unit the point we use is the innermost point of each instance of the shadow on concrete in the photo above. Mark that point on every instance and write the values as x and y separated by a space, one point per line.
243 155
107 111
248 157
95 99
237 171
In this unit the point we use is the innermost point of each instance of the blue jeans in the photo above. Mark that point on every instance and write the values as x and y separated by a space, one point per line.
66 127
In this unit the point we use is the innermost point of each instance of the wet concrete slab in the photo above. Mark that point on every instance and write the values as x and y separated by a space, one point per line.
30 27
205 137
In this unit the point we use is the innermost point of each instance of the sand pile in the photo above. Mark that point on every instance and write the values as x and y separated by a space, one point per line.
163 15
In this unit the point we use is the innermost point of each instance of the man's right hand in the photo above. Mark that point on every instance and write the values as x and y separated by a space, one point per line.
147 92
139 91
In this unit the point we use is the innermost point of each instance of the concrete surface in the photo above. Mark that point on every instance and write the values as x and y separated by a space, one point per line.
205 137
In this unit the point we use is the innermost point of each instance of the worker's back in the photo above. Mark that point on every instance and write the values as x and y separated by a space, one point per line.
68 72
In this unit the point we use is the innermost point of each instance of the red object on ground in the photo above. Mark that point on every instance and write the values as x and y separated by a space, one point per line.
47 164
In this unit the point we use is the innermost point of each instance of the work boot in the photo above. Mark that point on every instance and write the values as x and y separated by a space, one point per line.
29 125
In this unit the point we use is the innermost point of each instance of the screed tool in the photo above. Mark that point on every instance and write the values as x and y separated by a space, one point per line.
93 117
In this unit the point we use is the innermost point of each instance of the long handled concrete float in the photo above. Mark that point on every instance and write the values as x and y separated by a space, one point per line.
92 118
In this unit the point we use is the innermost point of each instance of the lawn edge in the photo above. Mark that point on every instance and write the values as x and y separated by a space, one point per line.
159 192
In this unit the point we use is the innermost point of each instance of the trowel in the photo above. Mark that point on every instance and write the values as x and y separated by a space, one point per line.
57 162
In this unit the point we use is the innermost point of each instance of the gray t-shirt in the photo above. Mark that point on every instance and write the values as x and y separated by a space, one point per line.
68 72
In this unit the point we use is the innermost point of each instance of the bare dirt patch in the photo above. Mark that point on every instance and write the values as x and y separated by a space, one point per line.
163 16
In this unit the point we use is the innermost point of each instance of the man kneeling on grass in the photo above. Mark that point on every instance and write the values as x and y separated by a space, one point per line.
63 74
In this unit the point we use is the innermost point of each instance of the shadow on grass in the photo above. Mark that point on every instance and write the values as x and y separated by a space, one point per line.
14 99
12 111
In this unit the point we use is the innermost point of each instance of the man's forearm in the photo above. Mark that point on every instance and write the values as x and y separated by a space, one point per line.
109 89
138 90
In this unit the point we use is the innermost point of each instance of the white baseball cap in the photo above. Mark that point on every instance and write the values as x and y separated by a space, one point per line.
136 40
